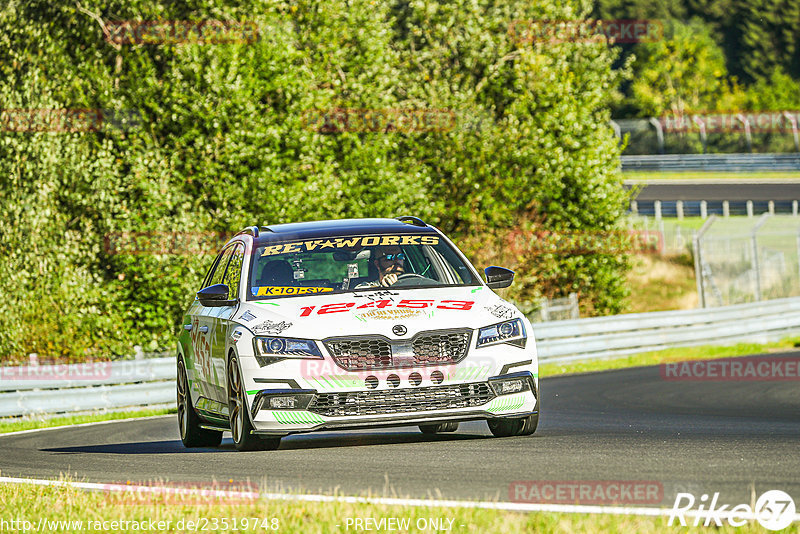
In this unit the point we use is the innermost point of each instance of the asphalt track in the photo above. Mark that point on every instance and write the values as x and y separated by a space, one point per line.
628 425
730 190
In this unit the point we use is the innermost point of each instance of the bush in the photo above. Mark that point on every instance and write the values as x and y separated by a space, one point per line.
218 137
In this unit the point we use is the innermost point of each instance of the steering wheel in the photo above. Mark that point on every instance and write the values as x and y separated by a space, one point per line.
409 276
406 276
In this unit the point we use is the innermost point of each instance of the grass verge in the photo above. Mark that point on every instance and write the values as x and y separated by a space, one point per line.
29 423
55 507
680 354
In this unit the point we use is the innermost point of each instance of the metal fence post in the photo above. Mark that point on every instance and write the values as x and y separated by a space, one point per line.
697 248
756 266
659 134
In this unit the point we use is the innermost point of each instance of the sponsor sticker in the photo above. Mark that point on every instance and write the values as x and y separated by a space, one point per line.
271 327
391 313
350 243
500 311
247 316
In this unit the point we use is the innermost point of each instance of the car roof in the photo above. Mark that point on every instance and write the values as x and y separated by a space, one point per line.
341 227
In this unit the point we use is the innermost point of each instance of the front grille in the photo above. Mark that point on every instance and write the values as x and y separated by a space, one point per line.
401 400
434 347
361 353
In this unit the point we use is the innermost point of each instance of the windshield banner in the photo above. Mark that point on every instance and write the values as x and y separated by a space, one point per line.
350 243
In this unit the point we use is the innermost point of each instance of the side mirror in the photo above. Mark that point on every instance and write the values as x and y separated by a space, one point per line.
215 296
498 277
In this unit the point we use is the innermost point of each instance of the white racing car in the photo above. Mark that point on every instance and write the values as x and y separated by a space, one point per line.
351 323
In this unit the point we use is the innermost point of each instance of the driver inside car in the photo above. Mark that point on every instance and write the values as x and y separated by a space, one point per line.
390 263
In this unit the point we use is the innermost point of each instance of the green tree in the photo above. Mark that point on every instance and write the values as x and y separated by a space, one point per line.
683 73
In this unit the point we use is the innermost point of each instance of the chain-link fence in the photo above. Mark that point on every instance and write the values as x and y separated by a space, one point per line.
668 236
741 260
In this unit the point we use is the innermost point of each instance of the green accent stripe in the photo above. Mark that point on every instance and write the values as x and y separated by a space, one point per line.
505 404
297 418
253 391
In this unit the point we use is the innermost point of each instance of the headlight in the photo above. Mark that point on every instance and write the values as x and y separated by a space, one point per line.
274 349
282 399
512 383
511 332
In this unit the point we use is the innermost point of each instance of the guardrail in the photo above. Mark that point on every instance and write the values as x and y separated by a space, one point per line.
51 389
619 335
147 382
712 162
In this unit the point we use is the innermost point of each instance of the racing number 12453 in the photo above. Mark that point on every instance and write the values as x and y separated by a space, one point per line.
405 303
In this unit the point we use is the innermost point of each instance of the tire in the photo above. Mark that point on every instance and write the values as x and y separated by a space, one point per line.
241 426
450 426
188 420
524 426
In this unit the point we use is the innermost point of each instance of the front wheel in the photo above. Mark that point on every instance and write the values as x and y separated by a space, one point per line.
241 427
524 426
188 421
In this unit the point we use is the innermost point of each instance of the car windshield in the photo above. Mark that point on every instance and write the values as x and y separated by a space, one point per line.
351 263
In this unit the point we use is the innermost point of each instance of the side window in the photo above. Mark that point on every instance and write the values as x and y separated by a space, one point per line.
211 270
234 272
219 272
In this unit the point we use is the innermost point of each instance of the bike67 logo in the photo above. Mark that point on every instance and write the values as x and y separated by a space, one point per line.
774 510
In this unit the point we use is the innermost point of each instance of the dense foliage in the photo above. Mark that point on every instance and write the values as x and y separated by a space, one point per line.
721 55
213 137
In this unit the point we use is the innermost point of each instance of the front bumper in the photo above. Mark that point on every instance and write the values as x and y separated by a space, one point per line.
313 410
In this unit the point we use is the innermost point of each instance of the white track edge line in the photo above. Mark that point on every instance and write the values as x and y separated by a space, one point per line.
504 506
33 430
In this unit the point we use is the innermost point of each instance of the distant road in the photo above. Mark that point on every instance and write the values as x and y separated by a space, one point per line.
719 191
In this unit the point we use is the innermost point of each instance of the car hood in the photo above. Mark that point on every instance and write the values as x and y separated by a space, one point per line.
376 311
